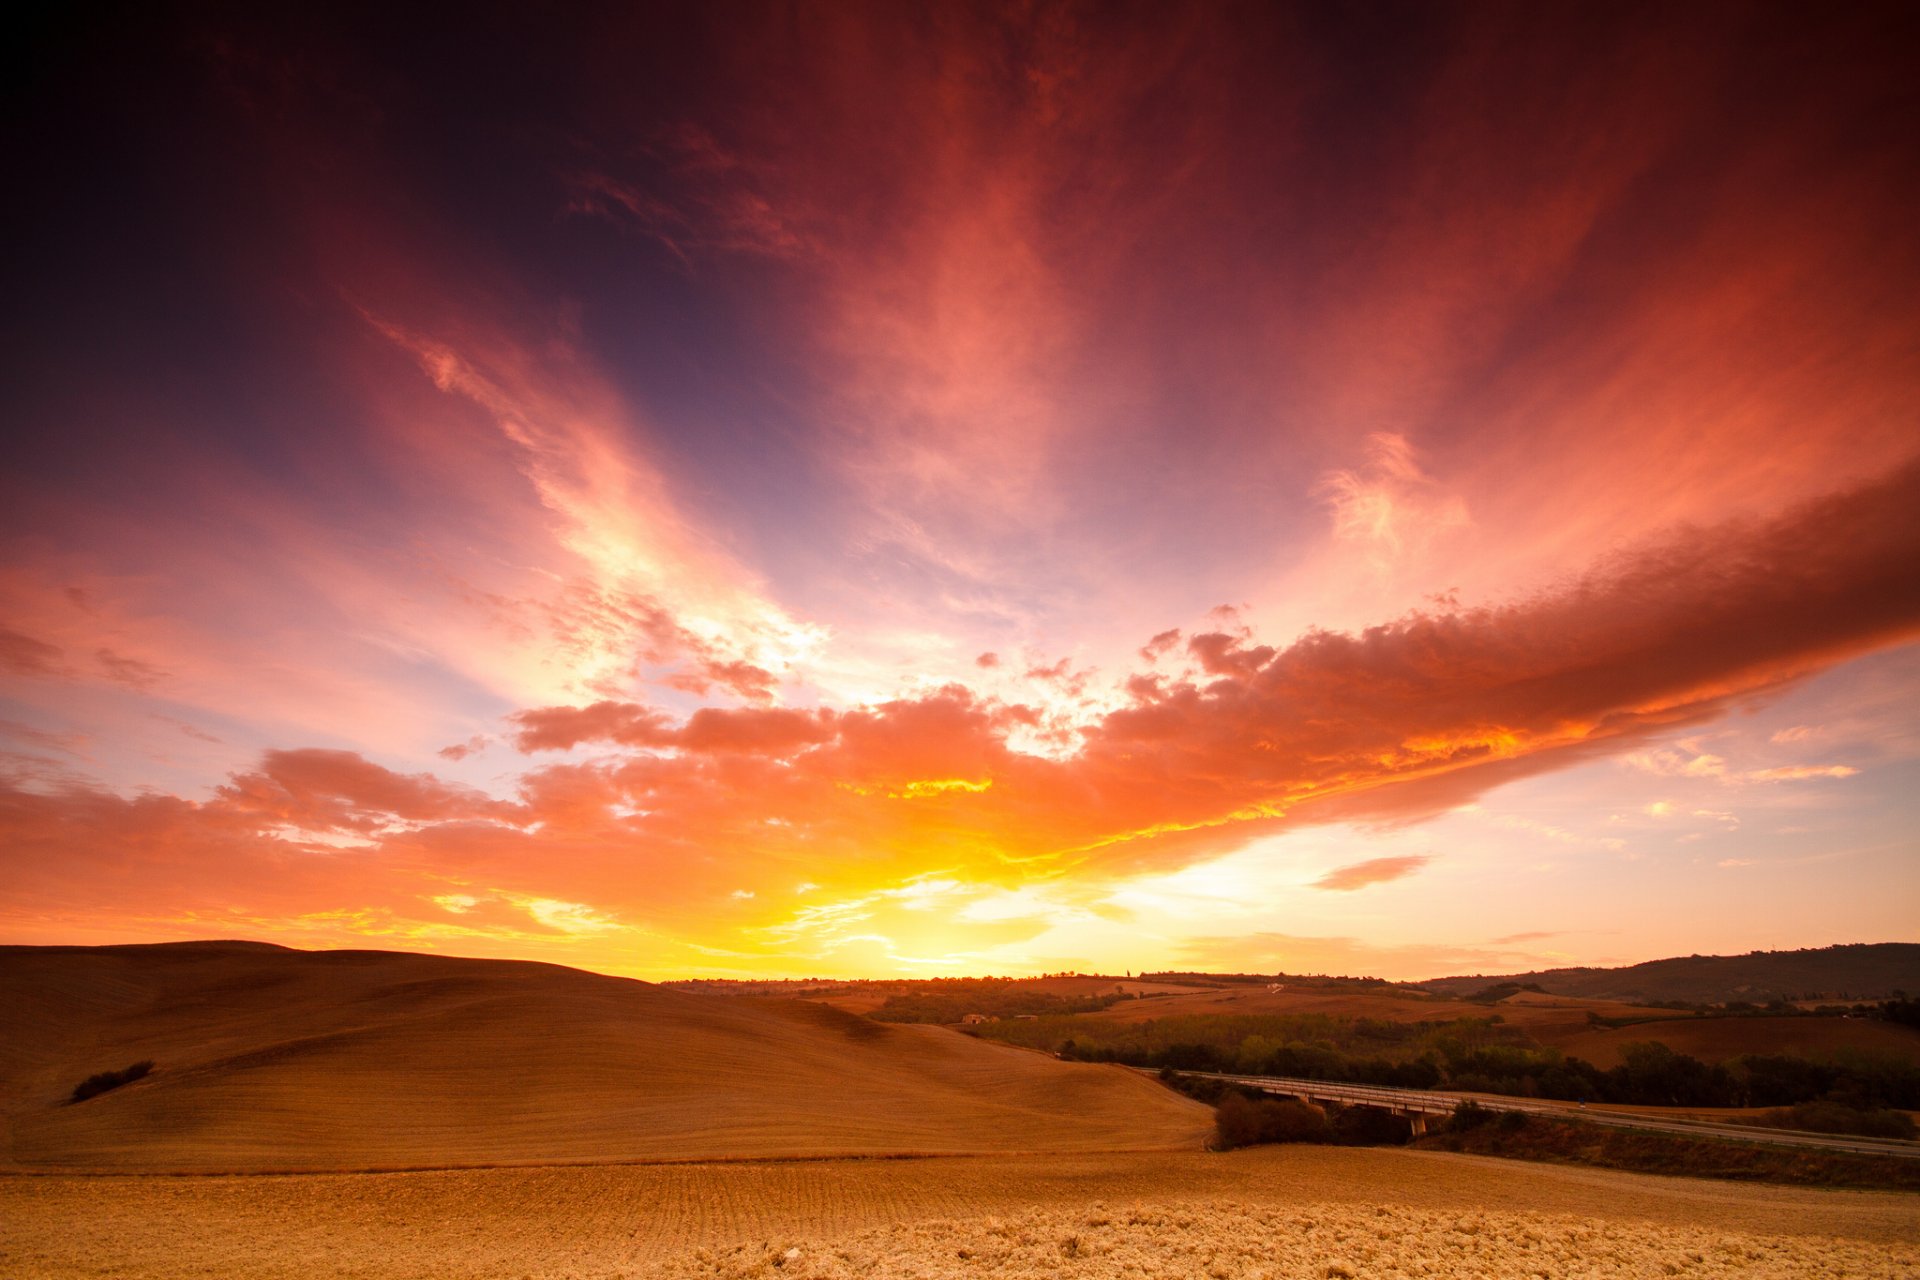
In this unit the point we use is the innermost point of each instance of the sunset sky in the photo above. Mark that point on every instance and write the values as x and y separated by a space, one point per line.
878 490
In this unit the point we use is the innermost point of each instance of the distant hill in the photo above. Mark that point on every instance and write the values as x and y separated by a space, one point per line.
272 1059
1860 971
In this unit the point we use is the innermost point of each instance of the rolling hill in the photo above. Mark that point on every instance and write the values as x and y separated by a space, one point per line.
273 1059
1861 971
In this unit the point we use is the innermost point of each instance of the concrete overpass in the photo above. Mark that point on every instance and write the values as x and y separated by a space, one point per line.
1417 1106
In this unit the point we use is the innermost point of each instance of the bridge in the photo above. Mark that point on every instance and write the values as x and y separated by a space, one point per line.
1419 1106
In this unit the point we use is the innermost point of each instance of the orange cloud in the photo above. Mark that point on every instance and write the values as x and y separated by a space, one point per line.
1359 875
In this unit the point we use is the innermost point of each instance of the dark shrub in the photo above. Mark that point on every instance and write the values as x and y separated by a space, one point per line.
95 1085
1468 1116
1242 1121
1286 1120
1370 1127
1236 1122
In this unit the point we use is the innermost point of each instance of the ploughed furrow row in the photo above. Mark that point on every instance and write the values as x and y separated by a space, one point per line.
632 1220
1242 1242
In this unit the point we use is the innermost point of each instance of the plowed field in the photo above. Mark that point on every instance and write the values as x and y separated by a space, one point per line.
1295 1211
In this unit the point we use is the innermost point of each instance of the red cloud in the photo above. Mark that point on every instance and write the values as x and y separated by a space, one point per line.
559 728
1162 642
1359 875
754 731
21 654
1666 635
340 790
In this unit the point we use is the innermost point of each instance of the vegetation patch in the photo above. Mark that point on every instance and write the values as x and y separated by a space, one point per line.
1470 1055
1246 1117
1241 1121
95 1085
1835 1117
1477 1131
950 1000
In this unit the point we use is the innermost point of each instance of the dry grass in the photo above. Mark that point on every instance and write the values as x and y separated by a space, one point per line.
282 1060
1169 1214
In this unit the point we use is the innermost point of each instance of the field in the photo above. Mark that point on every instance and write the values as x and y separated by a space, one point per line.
1279 1211
381 1115
281 1060
1715 1039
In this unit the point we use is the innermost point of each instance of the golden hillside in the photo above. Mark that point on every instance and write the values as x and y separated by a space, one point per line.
272 1059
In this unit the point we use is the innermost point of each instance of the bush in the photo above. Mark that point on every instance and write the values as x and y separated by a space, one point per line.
1468 1116
1370 1127
95 1085
1242 1121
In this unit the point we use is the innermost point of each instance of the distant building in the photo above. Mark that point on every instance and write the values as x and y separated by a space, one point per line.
1275 986
974 1019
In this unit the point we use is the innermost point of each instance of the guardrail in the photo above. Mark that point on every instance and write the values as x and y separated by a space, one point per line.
1361 1094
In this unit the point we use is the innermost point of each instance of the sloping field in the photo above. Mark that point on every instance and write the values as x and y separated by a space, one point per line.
270 1059
1557 1020
866 997
1257 1000
1278 1212
1868 971
1715 1039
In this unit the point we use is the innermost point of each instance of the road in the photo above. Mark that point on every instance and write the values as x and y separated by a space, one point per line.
1426 1102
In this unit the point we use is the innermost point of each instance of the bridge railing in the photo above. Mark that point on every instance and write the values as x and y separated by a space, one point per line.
1359 1094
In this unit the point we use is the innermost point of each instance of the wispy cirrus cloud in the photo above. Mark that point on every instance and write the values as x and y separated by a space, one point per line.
1391 506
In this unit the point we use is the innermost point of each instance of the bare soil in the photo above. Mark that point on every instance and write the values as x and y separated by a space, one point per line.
1277 1211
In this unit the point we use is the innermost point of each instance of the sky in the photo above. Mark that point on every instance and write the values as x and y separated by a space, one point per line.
877 490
